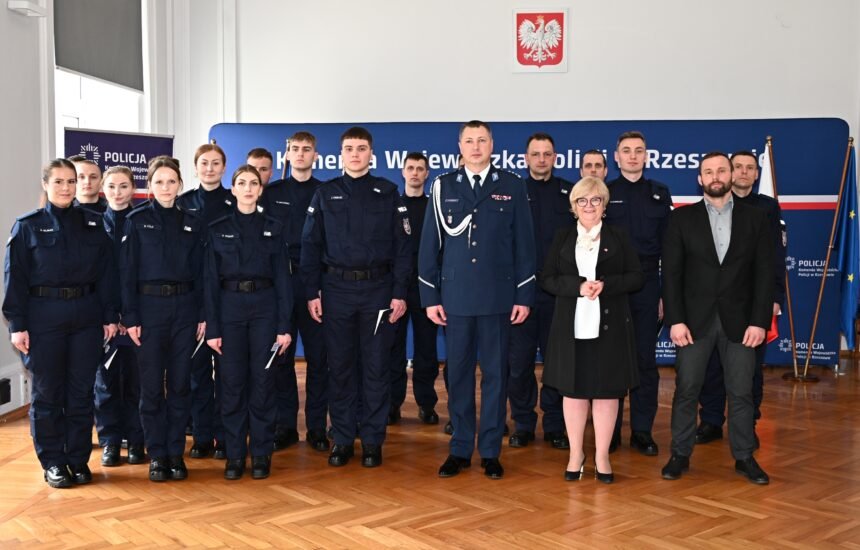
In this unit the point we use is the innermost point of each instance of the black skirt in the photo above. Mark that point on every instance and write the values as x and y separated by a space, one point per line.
593 379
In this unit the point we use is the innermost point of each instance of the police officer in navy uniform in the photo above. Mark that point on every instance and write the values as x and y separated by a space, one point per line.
356 255
288 201
89 184
117 388
425 362
161 268
713 395
248 299
210 200
476 270
549 199
641 206
61 304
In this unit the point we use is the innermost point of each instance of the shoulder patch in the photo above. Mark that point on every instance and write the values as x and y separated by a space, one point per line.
30 214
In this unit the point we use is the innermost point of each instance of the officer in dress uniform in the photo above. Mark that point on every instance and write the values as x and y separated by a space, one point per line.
117 389
61 304
89 184
288 201
356 254
478 222
713 396
641 206
210 201
161 268
248 299
549 199
425 363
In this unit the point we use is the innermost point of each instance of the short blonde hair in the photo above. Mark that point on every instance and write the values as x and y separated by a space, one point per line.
587 185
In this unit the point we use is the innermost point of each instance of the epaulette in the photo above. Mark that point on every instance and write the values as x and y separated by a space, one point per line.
139 208
30 214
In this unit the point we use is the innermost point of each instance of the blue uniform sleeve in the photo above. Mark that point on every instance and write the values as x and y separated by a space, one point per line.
129 252
283 285
211 292
524 251
429 253
664 221
16 280
403 249
313 242
108 282
197 259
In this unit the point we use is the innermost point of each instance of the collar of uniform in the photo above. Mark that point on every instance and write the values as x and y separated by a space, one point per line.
483 173
361 179
202 190
550 179
56 211
642 179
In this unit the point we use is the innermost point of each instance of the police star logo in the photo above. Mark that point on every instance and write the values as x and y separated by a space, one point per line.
91 152
785 345
790 263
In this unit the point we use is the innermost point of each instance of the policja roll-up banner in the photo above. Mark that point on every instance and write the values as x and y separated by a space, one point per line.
808 155
119 148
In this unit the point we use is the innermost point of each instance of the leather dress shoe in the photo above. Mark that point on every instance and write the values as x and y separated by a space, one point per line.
604 478
136 454
261 466
644 443
159 469
81 473
427 415
317 440
234 468
110 456
449 428
492 468
676 466
220 452
340 455
521 438
201 449
575 475
752 471
178 470
59 477
393 416
453 465
706 433
558 440
285 437
614 443
371 456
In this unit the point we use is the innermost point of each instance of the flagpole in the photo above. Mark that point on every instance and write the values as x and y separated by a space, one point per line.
286 162
827 259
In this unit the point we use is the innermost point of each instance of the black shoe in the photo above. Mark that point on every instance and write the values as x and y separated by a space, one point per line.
614 443
604 478
521 438
675 467
752 471
427 415
261 466
644 443
706 433
575 475
59 477
234 469
340 455
178 470
393 416
285 437
159 469
371 456
453 465
220 451
110 456
317 440
81 474
558 440
136 454
201 449
449 428
492 468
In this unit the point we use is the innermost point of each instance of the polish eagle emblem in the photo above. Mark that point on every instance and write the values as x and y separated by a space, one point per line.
537 40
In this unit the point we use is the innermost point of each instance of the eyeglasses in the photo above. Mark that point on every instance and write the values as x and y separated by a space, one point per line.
583 201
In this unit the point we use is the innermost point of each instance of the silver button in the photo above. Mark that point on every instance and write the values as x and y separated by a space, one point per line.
474 243
475 210
474 260
605 327
474 226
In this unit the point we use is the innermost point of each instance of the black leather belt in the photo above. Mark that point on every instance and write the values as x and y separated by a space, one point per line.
166 289
64 293
358 274
251 285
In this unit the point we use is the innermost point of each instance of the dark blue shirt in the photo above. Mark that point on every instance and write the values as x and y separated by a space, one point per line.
777 229
288 201
550 205
642 208
210 205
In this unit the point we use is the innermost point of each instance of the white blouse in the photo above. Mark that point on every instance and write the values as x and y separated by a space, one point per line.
586 321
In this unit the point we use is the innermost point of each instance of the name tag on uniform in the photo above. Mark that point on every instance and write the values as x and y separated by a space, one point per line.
336 198
148 226
282 202
186 228
230 236
452 200
47 229
616 202
267 233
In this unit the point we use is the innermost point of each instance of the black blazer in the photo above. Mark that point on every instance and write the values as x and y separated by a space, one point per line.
619 269
696 285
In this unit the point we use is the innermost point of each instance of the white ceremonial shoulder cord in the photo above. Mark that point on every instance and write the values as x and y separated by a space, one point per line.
436 193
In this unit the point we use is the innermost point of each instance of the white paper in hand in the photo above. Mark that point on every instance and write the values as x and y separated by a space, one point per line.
200 343
275 347
379 319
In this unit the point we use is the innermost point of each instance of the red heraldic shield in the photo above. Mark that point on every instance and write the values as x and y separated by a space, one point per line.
540 38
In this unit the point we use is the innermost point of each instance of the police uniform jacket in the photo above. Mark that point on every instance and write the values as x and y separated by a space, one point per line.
477 252
777 229
100 206
160 246
58 248
246 247
209 205
642 208
356 224
550 207
288 201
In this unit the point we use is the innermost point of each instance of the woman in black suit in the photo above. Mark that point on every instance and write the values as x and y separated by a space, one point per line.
591 354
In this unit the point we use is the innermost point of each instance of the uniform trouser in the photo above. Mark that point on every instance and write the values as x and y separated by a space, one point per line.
117 399
425 362
691 362
316 372
65 350
167 336
248 332
205 396
713 396
522 384
350 313
466 339
643 399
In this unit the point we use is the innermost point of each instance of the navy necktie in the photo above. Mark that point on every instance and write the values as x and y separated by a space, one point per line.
477 179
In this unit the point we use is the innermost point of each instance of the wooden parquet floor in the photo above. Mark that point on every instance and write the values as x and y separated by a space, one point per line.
810 448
